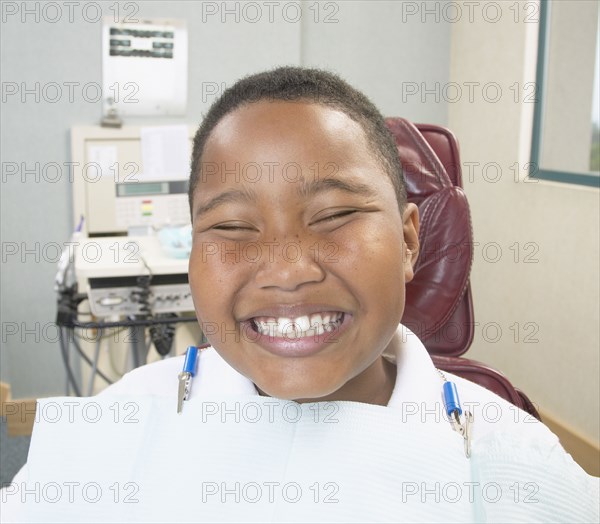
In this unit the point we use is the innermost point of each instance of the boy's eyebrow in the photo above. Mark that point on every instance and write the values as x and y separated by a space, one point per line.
309 189
244 195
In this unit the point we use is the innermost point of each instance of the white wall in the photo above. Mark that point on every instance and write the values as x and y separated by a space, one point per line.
373 45
388 51
554 359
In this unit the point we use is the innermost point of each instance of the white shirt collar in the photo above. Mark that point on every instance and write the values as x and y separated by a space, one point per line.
416 379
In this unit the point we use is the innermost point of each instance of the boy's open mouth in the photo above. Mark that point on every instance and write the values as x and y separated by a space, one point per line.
293 328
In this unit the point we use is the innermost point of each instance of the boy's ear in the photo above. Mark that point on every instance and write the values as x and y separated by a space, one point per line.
410 228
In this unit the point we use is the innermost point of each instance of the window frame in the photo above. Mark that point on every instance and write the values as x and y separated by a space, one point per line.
536 171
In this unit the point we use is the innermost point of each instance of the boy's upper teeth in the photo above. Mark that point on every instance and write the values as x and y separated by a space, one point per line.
317 323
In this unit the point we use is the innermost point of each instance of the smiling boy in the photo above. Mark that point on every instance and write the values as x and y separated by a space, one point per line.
333 191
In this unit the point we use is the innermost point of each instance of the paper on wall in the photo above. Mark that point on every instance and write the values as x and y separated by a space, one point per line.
165 153
104 159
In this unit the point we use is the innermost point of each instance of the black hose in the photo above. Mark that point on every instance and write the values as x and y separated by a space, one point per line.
88 360
65 354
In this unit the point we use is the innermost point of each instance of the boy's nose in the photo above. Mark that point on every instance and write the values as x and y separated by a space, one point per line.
289 265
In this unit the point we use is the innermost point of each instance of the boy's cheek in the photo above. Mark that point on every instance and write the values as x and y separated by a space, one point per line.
204 251
214 260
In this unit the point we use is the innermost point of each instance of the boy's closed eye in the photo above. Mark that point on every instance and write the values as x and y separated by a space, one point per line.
331 216
235 231
233 226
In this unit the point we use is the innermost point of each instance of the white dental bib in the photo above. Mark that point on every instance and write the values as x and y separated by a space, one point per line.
234 456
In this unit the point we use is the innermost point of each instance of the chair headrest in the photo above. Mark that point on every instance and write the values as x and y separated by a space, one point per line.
445 236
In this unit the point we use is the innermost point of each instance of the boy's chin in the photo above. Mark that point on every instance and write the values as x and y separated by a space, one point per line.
302 393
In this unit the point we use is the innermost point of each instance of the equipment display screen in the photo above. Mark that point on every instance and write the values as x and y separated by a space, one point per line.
143 189
148 188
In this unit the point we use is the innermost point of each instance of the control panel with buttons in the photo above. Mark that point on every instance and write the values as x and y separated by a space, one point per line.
121 296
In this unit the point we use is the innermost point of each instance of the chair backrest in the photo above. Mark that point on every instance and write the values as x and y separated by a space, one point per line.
439 305
439 308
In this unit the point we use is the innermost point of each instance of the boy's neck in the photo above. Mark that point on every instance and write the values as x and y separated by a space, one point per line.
373 386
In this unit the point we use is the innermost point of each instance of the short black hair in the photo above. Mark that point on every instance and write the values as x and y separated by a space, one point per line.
304 84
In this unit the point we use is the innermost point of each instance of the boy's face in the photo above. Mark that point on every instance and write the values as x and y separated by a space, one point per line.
299 256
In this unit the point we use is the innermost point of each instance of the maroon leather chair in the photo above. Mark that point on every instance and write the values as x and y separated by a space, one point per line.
439 305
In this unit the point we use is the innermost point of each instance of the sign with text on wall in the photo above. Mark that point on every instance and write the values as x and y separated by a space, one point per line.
144 67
